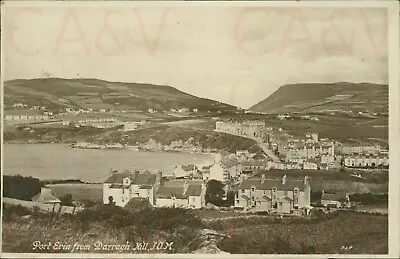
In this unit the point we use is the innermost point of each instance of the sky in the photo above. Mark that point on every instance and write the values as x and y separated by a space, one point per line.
235 55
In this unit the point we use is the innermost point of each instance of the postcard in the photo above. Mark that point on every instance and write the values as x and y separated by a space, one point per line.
200 129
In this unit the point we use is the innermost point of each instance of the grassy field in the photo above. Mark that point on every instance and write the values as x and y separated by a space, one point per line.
320 233
365 233
337 127
79 192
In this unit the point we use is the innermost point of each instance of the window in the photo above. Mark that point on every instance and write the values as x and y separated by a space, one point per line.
253 189
242 190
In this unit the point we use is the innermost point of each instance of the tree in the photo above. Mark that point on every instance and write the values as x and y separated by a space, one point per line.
20 187
215 192
230 201
67 200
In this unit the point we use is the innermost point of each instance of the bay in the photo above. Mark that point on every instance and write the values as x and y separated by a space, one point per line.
59 161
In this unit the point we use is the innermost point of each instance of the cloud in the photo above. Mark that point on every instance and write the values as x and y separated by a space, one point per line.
230 54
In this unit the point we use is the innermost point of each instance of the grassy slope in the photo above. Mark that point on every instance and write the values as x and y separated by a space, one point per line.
315 97
337 127
80 192
165 135
321 234
366 233
104 94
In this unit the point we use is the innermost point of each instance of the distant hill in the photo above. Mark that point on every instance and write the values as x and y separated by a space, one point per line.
99 94
320 97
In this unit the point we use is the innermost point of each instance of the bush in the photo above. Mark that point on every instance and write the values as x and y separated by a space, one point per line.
11 211
138 204
20 187
67 200
369 198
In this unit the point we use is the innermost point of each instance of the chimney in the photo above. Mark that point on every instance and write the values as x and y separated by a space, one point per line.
263 178
185 186
44 190
159 178
284 179
306 179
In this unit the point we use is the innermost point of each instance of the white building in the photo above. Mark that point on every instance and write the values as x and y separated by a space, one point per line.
350 149
366 161
24 115
120 188
310 165
187 171
337 200
274 195
187 195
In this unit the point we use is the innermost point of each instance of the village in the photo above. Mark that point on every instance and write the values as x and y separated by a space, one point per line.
243 173
240 173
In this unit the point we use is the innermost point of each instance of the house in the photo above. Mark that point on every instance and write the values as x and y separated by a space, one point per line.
24 114
119 188
251 166
328 159
218 172
310 164
187 171
46 196
366 161
187 195
244 153
205 171
225 170
183 110
274 195
351 149
336 200
323 166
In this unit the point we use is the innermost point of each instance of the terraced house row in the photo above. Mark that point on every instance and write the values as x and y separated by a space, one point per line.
120 188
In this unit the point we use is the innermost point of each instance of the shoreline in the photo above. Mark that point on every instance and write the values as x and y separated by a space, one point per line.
211 158
216 154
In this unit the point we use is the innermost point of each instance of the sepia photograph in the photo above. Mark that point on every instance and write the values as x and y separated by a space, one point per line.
168 129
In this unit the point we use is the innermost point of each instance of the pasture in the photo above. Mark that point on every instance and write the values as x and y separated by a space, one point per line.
79 192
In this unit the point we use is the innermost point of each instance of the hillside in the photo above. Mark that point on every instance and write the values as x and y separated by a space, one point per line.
56 93
319 97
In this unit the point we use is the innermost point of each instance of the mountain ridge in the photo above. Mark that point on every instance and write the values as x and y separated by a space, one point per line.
323 97
87 92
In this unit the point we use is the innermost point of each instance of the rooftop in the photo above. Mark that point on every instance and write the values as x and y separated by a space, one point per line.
333 196
166 192
136 178
45 196
269 184
18 112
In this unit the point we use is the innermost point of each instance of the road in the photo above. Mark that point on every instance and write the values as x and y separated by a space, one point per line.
262 145
267 151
